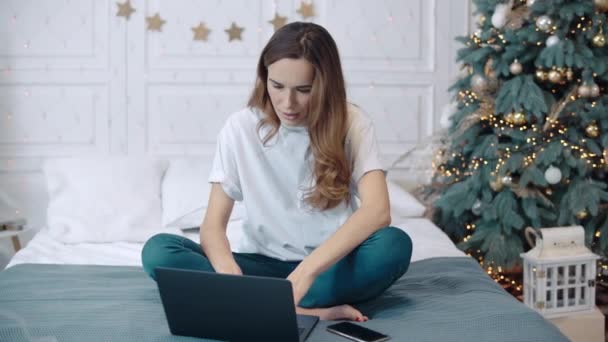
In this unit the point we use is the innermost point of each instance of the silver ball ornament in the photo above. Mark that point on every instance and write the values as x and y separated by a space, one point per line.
553 175
476 208
584 91
595 90
507 180
544 23
552 40
479 83
515 68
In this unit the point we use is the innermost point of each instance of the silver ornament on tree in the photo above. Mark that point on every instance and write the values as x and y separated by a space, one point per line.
595 90
584 91
544 23
530 2
476 208
515 68
479 83
552 40
507 180
553 175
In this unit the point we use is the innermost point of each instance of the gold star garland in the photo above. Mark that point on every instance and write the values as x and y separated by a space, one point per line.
201 31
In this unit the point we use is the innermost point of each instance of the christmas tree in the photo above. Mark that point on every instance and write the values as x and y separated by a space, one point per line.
527 144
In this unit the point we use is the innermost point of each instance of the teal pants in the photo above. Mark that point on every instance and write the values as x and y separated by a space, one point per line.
361 275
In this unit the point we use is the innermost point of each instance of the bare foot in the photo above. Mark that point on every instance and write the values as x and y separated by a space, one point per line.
333 313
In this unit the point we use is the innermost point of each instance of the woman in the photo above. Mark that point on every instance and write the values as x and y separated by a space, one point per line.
297 157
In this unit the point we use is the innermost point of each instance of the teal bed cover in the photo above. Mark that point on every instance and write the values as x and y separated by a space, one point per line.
439 299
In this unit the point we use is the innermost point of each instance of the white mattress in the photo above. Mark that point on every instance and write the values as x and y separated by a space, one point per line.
428 242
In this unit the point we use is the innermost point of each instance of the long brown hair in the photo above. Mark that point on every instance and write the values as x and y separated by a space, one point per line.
327 115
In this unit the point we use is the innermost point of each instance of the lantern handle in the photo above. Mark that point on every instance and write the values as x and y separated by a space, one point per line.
529 232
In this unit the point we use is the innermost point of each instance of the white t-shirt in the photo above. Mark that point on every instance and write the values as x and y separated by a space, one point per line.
272 179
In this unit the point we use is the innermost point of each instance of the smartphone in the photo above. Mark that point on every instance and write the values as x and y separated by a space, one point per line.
356 332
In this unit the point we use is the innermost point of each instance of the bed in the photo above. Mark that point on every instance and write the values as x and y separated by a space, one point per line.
78 286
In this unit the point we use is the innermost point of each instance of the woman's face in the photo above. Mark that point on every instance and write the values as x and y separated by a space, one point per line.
289 85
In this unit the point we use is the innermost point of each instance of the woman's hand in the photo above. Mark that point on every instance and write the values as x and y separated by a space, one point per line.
229 267
301 281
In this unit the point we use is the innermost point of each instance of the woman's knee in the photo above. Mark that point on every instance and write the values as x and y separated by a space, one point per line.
396 243
156 251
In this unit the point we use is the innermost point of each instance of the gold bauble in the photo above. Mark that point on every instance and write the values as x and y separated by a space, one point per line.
601 5
541 75
592 130
569 74
510 117
581 215
519 118
555 76
599 40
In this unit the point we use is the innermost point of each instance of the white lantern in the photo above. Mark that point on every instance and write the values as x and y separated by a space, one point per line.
559 272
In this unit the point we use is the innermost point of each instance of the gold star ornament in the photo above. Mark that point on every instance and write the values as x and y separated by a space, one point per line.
306 10
125 9
278 21
234 32
201 32
155 23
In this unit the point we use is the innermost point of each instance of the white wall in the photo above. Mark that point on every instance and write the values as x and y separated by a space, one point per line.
75 79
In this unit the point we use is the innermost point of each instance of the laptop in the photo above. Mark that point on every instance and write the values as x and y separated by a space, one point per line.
230 307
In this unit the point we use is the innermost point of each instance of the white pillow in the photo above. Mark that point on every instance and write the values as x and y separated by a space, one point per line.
104 199
185 193
403 204
195 218
185 188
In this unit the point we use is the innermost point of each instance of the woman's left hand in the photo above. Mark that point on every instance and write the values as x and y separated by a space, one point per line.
301 281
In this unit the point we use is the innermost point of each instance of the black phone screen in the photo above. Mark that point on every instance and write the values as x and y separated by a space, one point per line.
357 332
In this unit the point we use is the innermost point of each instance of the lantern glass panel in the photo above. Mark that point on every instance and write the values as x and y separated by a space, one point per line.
572 274
560 275
582 300
560 298
571 297
549 301
583 273
549 276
